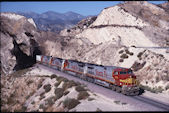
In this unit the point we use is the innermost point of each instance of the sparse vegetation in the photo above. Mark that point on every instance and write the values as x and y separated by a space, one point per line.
98 110
65 92
153 90
137 66
47 87
70 103
50 101
58 93
90 99
69 84
167 87
121 51
121 60
80 88
82 95
140 54
117 101
20 72
124 56
123 103
53 76
57 83
59 79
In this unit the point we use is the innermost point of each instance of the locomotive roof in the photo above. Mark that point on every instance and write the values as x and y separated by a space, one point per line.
113 67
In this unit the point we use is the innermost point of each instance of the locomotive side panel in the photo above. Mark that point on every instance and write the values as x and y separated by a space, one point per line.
73 68
56 63
46 60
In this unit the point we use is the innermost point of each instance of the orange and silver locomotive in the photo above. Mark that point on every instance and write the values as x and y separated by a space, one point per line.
116 78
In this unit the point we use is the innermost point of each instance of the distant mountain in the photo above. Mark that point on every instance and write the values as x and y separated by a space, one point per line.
54 21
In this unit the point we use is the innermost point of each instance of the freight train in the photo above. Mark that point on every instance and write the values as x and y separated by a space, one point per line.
119 79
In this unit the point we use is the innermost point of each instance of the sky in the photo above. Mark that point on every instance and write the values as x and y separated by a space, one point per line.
82 7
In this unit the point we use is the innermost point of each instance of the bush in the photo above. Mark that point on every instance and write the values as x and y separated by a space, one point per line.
90 99
140 54
57 84
123 56
131 53
47 87
80 88
167 87
121 51
153 90
98 110
82 95
50 101
70 103
117 102
59 79
69 84
53 76
121 60
137 66
58 93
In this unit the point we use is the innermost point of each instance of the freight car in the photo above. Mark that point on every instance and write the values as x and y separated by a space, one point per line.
118 79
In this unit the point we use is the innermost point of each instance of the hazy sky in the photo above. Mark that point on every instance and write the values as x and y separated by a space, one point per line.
82 7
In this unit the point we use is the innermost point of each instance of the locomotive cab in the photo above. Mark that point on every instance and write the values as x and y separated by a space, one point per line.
126 79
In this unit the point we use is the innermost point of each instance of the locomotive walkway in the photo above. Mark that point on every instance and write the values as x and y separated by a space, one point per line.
141 102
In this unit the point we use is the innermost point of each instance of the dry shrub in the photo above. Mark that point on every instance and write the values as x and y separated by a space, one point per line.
59 78
121 51
50 101
69 84
123 56
80 88
70 103
137 66
57 84
58 93
53 76
82 95
121 60
47 87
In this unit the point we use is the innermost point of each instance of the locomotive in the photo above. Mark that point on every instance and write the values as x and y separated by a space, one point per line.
119 79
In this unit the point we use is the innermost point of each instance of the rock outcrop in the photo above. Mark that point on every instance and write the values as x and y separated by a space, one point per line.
17 48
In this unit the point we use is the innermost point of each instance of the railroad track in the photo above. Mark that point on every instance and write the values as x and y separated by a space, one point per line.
140 101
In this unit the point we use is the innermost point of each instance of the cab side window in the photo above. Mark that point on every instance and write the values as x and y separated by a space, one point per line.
115 73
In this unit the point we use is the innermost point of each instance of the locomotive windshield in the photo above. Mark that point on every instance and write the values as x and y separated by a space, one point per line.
126 72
